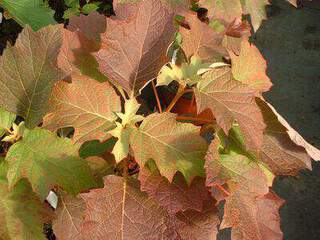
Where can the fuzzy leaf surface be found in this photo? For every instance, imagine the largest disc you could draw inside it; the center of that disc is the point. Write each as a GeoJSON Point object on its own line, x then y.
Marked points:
{"type": "Point", "coordinates": [172, 145]}
{"type": "Point", "coordinates": [80, 40]}
{"type": "Point", "coordinates": [134, 215]}
{"type": "Point", "coordinates": [250, 67]}
{"type": "Point", "coordinates": [133, 50]}
{"type": "Point", "coordinates": [121, 211]}
{"type": "Point", "coordinates": [176, 196]}
{"type": "Point", "coordinates": [47, 161]}
{"type": "Point", "coordinates": [229, 100]}
{"type": "Point", "coordinates": [22, 215]}
{"type": "Point", "coordinates": [226, 10]}
{"type": "Point", "coordinates": [251, 218]}
{"type": "Point", "coordinates": [28, 72]}
{"type": "Point", "coordinates": [201, 40]}
{"type": "Point", "coordinates": [30, 12]}
{"type": "Point", "coordinates": [6, 120]}
{"type": "Point", "coordinates": [68, 217]}
{"type": "Point", "coordinates": [279, 152]}
{"type": "Point", "coordinates": [86, 105]}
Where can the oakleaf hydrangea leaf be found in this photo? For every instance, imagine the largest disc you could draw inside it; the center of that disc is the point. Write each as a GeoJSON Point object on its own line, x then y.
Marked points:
{"type": "Point", "coordinates": [34, 13]}
{"type": "Point", "coordinates": [229, 100]}
{"type": "Point", "coordinates": [253, 218]}
{"type": "Point", "coordinates": [250, 67]}
{"type": "Point", "coordinates": [135, 216]}
{"type": "Point", "coordinates": [124, 129]}
{"type": "Point", "coordinates": [6, 120]}
{"type": "Point", "coordinates": [28, 72]}
{"type": "Point", "coordinates": [133, 51]}
{"type": "Point", "coordinates": [186, 73]}
{"type": "Point", "coordinates": [201, 40]}
{"type": "Point", "coordinates": [86, 105]}
{"type": "Point", "coordinates": [47, 161]}
{"type": "Point", "coordinates": [68, 217]}
{"type": "Point", "coordinates": [279, 152]}
{"type": "Point", "coordinates": [80, 40]}
{"type": "Point", "coordinates": [22, 215]}
{"type": "Point", "coordinates": [176, 196]}
{"type": "Point", "coordinates": [172, 145]}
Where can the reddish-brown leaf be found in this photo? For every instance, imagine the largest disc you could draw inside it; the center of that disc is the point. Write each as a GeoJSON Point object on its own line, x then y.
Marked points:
{"type": "Point", "coordinates": [313, 152]}
{"type": "Point", "coordinates": [200, 39]}
{"type": "Point", "coordinates": [176, 196]}
{"type": "Point", "coordinates": [86, 105]}
{"type": "Point", "coordinates": [133, 50]}
{"type": "Point", "coordinates": [281, 155]}
{"type": "Point", "coordinates": [229, 101]}
{"type": "Point", "coordinates": [196, 225]}
{"type": "Point", "coordinates": [68, 217]}
{"type": "Point", "coordinates": [80, 39]}
{"type": "Point", "coordinates": [121, 211]}
{"type": "Point", "coordinates": [226, 10]}
{"type": "Point", "coordinates": [251, 218]}
{"type": "Point", "coordinates": [250, 67]}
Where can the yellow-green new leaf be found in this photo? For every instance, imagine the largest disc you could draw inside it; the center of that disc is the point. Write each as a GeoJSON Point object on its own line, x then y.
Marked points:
{"type": "Point", "coordinates": [46, 161]}
{"type": "Point", "coordinates": [28, 72]}
{"type": "Point", "coordinates": [172, 145]}
{"type": "Point", "coordinates": [187, 73]}
{"type": "Point", "coordinates": [124, 129]}
{"type": "Point", "coordinates": [6, 120]}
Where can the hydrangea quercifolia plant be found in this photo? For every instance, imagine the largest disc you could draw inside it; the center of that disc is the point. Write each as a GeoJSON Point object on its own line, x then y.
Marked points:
{"type": "Point", "coordinates": [77, 118]}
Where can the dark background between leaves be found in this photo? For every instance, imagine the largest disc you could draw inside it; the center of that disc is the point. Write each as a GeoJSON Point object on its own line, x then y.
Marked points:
{"type": "Point", "coordinates": [290, 42]}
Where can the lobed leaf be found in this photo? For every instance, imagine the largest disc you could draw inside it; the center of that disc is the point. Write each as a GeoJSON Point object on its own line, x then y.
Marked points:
{"type": "Point", "coordinates": [86, 105]}
{"type": "Point", "coordinates": [201, 40]}
{"type": "Point", "coordinates": [47, 161]}
{"type": "Point", "coordinates": [22, 215]}
{"type": "Point", "coordinates": [250, 68]}
{"type": "Point", "coordinates": [172, 145]}
{"type": "Point", "coordinates": [133, 51]}
{"type": "Point", "coordinates": [28, 72]}
{"type": "Point", "coordinates": [229, 100]}
{"type": "Point", "coordinates": [176, 196]}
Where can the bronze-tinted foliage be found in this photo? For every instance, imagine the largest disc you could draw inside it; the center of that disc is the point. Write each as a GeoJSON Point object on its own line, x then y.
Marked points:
{"type": "Point", "coordinates": [159, 178]}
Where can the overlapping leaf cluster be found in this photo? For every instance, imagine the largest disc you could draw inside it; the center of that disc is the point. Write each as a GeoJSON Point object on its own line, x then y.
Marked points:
{"type": "Point", "coordinates": [121, 170]}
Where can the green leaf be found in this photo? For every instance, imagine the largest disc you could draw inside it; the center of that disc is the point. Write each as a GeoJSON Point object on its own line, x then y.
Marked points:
{"type": "Point", "coordinates": [22, 215]}
{"type": "Point", "coordinates": [96, 148]}
{"type": "Point", "coordinates": [6, 120]}
{"type": "Point", "coordinates": [28, 73]}
{"type": "Point", "coordinates": [172, 145]}
{"type": "Point", "coordinates": [46, 161]}
{"type": "Point", "coordinates": [90, 7]}
{"type": "Point", "coordinates": [71, 12]}
{"type": "Point", "coordinates": [30, 12]}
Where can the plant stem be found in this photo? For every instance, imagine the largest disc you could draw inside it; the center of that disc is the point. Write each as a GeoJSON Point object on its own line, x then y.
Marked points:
{"type": "Point", "coordinates": [186, 118]}
{"type": "Point", "coordinates": [222, 189]}
{"type": "Point", "coordinates": [181, 91]}
{"type": "Point", "coordinates": [156, 95]}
